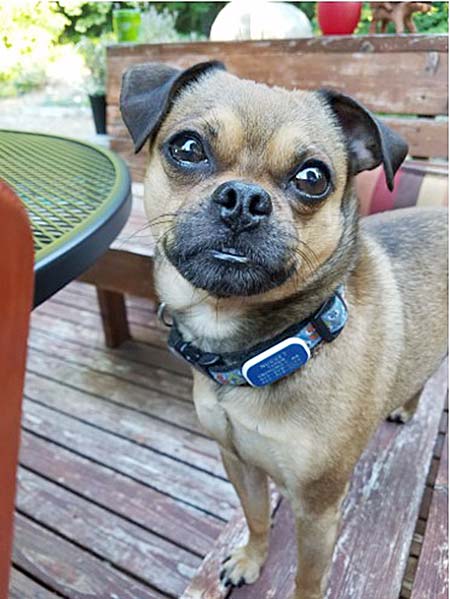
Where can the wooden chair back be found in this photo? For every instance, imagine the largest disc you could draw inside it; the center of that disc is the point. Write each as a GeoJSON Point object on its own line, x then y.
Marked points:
{"type": "Point", "coordinates": [16, 292]}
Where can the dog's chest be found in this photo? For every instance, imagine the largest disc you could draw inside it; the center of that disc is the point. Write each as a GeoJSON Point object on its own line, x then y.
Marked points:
{"type": "Point", "coordinates": [283, 447]}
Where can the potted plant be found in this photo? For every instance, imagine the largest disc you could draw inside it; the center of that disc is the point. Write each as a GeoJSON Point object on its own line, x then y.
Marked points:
{"type": "Point", "coordinates": [94, 55]}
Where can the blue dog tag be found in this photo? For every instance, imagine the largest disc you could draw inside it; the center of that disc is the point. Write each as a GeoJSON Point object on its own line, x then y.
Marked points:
{"type": "Point", "coordinates": [276, 362]}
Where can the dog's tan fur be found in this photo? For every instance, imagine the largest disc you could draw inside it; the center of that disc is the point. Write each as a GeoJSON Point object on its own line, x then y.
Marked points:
{"type": "Point", "coordinates": [307, 431]}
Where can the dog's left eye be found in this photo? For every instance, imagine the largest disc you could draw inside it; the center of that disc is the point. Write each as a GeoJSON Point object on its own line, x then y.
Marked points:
{"type": "Point", "coordinates": [312, 180]}
{"type": "Point", "coordinates": [185, 147]}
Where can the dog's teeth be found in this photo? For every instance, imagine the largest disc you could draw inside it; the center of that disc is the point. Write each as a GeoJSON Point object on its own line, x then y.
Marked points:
{"type": "Point", "coordinates": [228, 256]}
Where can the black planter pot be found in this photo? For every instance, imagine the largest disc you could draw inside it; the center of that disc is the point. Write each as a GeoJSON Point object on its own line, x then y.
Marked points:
{"type": "Point", "coordinates": [98, 105]}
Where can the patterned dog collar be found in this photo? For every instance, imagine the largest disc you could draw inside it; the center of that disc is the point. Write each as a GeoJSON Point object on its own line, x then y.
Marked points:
{"type": "Point", "coordinates": [271, 360]}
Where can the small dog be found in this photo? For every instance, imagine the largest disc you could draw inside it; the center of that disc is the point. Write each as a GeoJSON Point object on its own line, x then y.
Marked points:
{"type": "Point", "coordinates": [306, 328]}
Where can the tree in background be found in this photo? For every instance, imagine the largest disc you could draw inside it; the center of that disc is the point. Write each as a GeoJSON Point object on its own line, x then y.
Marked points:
{"type": "Point", "coordinates": [94, 18]}
{"type": "Point", "coordinates": [29, 33]}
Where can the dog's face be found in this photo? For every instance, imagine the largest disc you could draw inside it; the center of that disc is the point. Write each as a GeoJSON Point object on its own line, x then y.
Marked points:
{"type": "Point", "coordinates": [248, 185]}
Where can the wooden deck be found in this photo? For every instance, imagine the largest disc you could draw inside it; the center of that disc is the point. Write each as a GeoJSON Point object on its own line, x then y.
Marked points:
{"type": "Point", "coordinates": [121, 495]}
{"type": "Point", "coordinates": [120, 492]}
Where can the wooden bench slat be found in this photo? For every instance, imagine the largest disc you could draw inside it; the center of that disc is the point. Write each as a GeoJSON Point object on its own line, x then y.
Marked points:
{"type": "Point", "coordinates": [136, 235]}
{"type": "Point", "coordinates": [83, 290]}
{"type": "Point", "coordinates": [358, 73]}
{"type": "Point", "coordinates": [143, 505]}
{"type": "Point", "coordinates": [431, 578]}
{"type": "Point", "coordinates": [379, 514]}
{"type": "Point", "coordinates": [120, 270]}
{"type": "Point", "coordinates": [426, 137]}
{"type": "Point", "coordinates": [278, 574]}
{"type": "Point", "coordinates": [382, 509]}
{"type": "Point", "coordinates": [330, 43]}
{"type": "Point", "coordinates": [205, 585]}
{"type": "Point", "coordinates": [366, 67]}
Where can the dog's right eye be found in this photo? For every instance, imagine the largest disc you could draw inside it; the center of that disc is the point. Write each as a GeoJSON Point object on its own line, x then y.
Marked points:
{"type": "Point", "coordinates": [312, 180]}
{"type": "Point", "coordinates": [187, 148]}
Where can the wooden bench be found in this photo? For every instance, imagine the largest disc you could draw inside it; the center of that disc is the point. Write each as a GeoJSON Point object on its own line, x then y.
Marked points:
{"type": "Point", "coordinates": [394, 75]}
{"type": "Point", "coordinates": [393, 537]}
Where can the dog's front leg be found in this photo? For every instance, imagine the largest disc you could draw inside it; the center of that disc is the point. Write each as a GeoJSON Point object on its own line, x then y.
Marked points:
{"type": "Point", "coordinates": [317, 521]}
{"type": "Point", "coordinates": [244, 564]}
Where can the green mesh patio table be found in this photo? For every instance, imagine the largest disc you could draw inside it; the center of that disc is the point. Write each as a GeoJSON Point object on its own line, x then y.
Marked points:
{"type": "Point", "coordinates": [78, 198]}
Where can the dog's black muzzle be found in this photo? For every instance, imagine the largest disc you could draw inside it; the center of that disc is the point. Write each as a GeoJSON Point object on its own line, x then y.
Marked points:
{"type": "Point", "coordinates": [232, 245]}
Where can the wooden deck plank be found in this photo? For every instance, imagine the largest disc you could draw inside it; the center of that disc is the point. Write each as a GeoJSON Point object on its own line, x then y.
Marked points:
{"type": "Point", "coordinates": [137, 350]}
{"type": "Point", "coordinates": [70, 571]}
{"type": "Point", "coordinates": [167, 517]}
{"type": "Point", "coordinates": [78, 377]}
{"type": "Point", "coordinates": [106, 362]}
{"type": "Point", "coordinates": [379, 516]}
{"type": "Point", "coordinates": [23, 587]}
{"type": "Point", "coordinates": [133, 550]}
{"type": "Point", "coordinates": [431, 579]}
{"type": "Point", "coordinates": [65, 312]}
{"type": "Point", "coordinates": [177, 480]}
{"type": "Point", "coordinates": [139, 315]}
{"type": "Point", "coordinates": [171, 441]}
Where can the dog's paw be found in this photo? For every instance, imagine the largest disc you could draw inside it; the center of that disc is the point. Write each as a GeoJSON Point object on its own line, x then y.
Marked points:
{"type": "Point", "coordinates": [243, 566]}
{"type": "Point", "coordinates": [400, 415]}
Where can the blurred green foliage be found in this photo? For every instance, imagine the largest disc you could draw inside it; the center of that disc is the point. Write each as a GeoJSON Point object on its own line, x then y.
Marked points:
{"type": "Point", "coordinates": [93, 50]}
{"type": "Point", "coordinates": [192, 16]}
{"type": "Point", "coordinates": [93, 18]}
{"type": "Point", "coordinates": [30, 31]}
{"type": "Point", "coordinates": [85, 18]}
{"type": "Point", "coordinates": [435, 21]}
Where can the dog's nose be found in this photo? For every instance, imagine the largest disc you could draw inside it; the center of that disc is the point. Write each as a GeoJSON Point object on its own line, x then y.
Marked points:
{"type": "Point", "coordinates": [242, 205]}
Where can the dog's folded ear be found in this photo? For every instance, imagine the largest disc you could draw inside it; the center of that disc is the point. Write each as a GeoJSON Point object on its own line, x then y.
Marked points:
{"type": "Point", "coordinates": [148, 91]}
{"type": "Point", "coordinates": [369, 141]}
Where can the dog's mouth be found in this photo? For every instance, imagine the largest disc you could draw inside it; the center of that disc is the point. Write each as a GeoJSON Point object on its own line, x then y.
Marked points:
{"type": "Point", "coordinates": [227, 271]}
{"type": "Point", "coordinates": [226, 263]}
{"type": "Point", "coordinates": [230, 255]}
